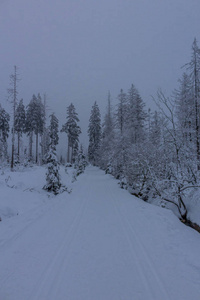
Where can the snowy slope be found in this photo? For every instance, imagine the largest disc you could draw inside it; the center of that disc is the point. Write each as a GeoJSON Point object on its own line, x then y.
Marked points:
{"type": "Point", "coordinates": [98, 242]}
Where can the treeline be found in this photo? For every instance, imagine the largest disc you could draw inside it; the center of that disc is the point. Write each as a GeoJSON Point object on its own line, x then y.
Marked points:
{"type": "Point", "coordinates": [29, 121]}
{"type": "Point", "coordinates": [154, 154]}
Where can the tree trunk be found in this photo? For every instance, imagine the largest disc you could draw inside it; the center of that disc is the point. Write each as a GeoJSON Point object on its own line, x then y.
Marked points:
{"type": "Point", "coordinates": [18, 146]}
{"type": "Point", "coordinates": [36, 158]}
{"type": "Point", "coordinates": [12, 156]}
{"type": "Point", "coordinates": [30, 146]}
{"type": "Point", "coordinates": [68, 151]}
{"type": "Point", "coordinates": [14, 94]}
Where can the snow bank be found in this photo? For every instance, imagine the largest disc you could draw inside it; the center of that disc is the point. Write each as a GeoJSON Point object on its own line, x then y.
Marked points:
{"type": "Point", "coordinates": [22, 190]}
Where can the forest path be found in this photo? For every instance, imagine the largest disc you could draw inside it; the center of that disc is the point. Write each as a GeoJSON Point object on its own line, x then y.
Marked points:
{"type": "Point", "coordinates": [100, 243]}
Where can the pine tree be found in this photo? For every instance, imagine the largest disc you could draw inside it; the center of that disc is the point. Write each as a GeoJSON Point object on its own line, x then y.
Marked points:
{"type": "Point", "coordinates": [4, 131]}
{"type": "Point", "coordinates": [155, 129]}
{"type": "Point", "coordinates": [12, 91]}
{"type": "Point", "coordinates": [94, 132]}
{"type": "Point", "coordinates": [53, 180]}
{"type": "Point", "coordinates": [80, 163]}
{"type": "Point", "coordinates": [194, 68]}
{"type": "Point", "coordinates": [73, 131]}
{"type": "Point", "coordinates": [135, 116]}
{"type": "Point", "coordinates": [38, 121]}
{"type": "Point", "coordinates": [185, 112]}
{"type": "Point", "coordinates": [45, 135]}
{"type": "Point", "coordinates": [121, 113]}
{"type": "Point", "coordinates": [20, 123]}
{"type": "Point", "coordinates": [29, 127]}
{"type": "Point", "coordinates": [53, 130]}
{"type": "Point", "coordinates": [107, 138]}
{"type": "Point", "coordinates": [35, 121]}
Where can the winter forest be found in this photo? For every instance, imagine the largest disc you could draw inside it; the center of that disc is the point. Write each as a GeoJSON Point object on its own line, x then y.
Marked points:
{"type": "Point", "coordinates": [99, 150]}
{"type": "Point", "coordinates": [155, 155]}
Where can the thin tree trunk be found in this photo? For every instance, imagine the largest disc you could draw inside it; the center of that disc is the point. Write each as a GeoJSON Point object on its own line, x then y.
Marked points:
{"type": "Point", "coordinates": [12, 156]}
{"type": "Point", "coordinates": [36, 159]}
{"type": "Point", "coordinates": [72, 156]}
{"type": "Point", "coordinates": [18, 146]}
{"type": "Point", "coordinates": [197, 124]}
{"type": "Point", "coordinates": [68, 151]}
{"type": "Point", "coordinates": [30, 146]}
{"type": "Point", "coordinates": [14, 78]}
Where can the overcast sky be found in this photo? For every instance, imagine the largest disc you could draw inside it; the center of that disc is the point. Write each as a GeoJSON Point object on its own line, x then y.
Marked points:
{"type": "Point", "coordinates": [77, 50]}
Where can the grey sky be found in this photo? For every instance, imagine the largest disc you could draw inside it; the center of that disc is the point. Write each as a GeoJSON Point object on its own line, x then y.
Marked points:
{"type": "Point", "coordinates": [77, 50]}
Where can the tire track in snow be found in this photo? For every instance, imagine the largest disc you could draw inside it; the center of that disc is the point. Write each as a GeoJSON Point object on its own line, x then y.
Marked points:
{"type": "Point", "coordinates": [27, 225]}
{"type": "Point", "coordinates": [50, 278]}
{"type": "Point", "coordinates": [145, 267]}
{"type": "Point", "coordinates": [37, 213]}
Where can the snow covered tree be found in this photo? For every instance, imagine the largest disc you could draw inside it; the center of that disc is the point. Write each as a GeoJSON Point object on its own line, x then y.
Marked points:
{"type": "Point", "coordinates": [81, 162]}
{"type": "Point", "coordinates": [29, 127]}
{"type": "Point", "coordinates": [185, 112]}
{"type": "Point", "coordinates": [130, 134]}
{"type": "Point", "coordinates": [94, 132]}
{"type": "Point", "coordinates": [121, 113]}
{"type": "Point", "coordinates": [155, 129]}
{"type": "Point", "coordinates": [107, 138]}
{"type": "Point", "coordinates": [194, 68]}
{"type": "Point", "coordinates": [38, 121]}
{"type": "Point", "coordinates": [73, 131]}
{"type": "Point", "coordinates": [12, 91]}
{"type": "Point", "coordinates": [53, 180]}
{"type": "Point", "coordinates": [20, 123]}
{"type": "Point", "coordinates": [135, 116]}
{"type": "Point", "coordinates": [35, 121]}
{"type": "Point", "coordinates": [53, 130]}
{"type": "Point", "coordinates": [45, 140]}
{"type": "Point", "coordinates": [4, 131]}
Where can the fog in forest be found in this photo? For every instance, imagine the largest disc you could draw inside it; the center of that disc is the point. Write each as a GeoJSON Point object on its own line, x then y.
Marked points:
{"type": "Point", "coordinates": [77, 51]}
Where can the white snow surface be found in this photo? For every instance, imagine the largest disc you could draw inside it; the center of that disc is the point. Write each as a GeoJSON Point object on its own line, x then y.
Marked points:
{"type": "Point", "coordinates": [97, 243]}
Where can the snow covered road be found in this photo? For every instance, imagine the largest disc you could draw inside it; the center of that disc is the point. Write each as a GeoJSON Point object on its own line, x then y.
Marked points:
{"type": "Point", "coordinates": [98, 243]}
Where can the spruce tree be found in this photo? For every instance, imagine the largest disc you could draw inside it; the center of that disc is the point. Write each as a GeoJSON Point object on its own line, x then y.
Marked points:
{"type": "Point", "coordinates": [4, 131]}
{"type": "Point", "coordinates": [20, 123]}
{"type": "Point", "coordinates": [121, 113]}
{"type": "Point", "coordinates": [53, 180]}
{"type": "Point", "coordinates": [38, 122]}
{"type": "Point", "coordinates": [94, 132]}
{"type": "Point", "coordinates": [53, 130]}
{"type": "Point", "coordinates": [107, 137]}
{"type": "Point", "coordinates": [135, 116]}
{"type": "Point", "coordinates": [29, 127]}
{"type": "Point", "coordinates": [35, 121]}
{"type": "Point", "coordinates": [80, 163]}
{"type": "Point", "coordinates": [45, 135]}
{"type": "Point", "coordinates": [73, 131]}
{"type": "Point", "coordinates": [13, 92]}
{"type": "Point", "coordinates": [185, 110]}
{"type": "Point", "coordinates": [194, 72]}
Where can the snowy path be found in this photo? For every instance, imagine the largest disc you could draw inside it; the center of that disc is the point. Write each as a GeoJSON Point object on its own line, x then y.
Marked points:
{"type": "Point", "coordinates": [99, 243]}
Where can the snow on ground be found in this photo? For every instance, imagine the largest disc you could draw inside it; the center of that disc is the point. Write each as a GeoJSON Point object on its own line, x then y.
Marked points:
{"type": "Point", "coordinates": [22, 190]}
{"type": "Point", "coordinates": [191, 200]}
{"type": "Point", "coordinates": [193, 205]}
{"type": "Point", "coordinates": [98, 242]}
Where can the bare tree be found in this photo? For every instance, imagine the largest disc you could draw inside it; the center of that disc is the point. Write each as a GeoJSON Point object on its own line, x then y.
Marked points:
{"type": "Point", "coordinates": [12, 91]}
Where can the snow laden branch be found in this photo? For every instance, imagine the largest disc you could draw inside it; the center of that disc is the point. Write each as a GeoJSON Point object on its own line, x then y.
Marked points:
{"type": "Point", "coordinates": [179, 179]}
